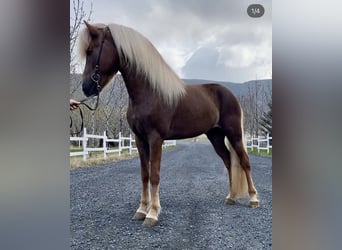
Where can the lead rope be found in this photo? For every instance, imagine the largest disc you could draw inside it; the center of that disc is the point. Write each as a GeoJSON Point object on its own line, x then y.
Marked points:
{"type": "Point", "coordinates": [82, 102]}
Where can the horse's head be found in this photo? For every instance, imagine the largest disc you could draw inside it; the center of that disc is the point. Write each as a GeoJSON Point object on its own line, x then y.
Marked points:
{"type": "Point", "coordinates": [102, 60]}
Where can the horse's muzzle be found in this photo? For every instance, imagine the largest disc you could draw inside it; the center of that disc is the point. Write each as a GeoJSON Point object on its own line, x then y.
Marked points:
{"type": "Point", "coordinates": [89, 87]}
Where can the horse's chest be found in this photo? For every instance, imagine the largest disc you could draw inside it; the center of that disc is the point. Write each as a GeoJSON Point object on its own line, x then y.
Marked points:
{"type": "Point", "coordinates": [134, 120]}
{"type": "Point", "coordinates": [142, 121]}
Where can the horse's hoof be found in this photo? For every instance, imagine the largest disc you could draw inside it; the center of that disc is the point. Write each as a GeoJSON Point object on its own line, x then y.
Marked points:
{"type": "Point", "coordinates": [254, 204]}
{"type": "Point", "coordinates": [139, 216]}
{"type": "Point", "coordinates": [229, 201]}
{"type": "Point", "coordinates": [150, 222]}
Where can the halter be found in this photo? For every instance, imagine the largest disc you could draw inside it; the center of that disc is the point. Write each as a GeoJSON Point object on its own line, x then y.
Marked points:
{"type": "Point", "coordinates": [95, 77]}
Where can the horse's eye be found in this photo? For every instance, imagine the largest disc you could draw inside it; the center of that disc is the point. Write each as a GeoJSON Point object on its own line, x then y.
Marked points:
{"type": "Point", "coordinates": [88, 52]}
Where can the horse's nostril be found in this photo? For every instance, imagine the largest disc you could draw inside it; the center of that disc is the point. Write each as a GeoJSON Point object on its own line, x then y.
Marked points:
{"type": "Point", "coordinates": [88, 88]}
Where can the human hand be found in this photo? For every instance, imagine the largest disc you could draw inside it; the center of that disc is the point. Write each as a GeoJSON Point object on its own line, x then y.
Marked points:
{"type": "Point", "coordinates": [74, 104]}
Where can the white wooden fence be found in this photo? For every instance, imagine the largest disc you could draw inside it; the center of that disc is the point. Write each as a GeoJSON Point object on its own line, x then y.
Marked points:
{"type": "Point", "coordinates": [124, 143]}
{"type": "Point", "coordinates": [261, 143]}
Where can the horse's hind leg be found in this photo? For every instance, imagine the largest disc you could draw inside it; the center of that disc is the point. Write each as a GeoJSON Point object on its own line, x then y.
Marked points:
{"type": "Point", "coordinates": [216, 137]}
{"type": "Point", "coordinates": [144, 153]}
{"type": "Point", "coordinates": [236, 142]}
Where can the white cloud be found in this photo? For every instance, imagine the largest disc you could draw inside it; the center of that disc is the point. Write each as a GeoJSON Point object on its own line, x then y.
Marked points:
{"type": "Point", "coordinates": [237, 56]}
{"type": "Point", "coordinates": [176, 57]}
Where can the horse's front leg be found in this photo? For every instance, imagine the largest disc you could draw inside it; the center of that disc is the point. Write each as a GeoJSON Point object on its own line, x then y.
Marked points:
{"type": "Point", "coordinates": [155, 159]}
{"type": "Point", "coordinates": [144, 153]}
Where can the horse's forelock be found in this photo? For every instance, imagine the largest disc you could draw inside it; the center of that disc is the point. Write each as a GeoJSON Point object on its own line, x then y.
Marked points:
{"type": "Point", "coordinates": [84, 39]}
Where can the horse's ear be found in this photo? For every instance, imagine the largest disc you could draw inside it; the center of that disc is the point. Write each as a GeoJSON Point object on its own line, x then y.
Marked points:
{"type": "Point", "coordinates": [92, 30]}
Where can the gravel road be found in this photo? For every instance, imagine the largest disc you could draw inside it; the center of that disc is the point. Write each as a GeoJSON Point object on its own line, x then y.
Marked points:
{"type": "Point", "coordinates": [192, 191]}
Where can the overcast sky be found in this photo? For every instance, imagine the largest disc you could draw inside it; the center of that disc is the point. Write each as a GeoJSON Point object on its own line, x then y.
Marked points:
{"type": "Point", "coordinates": [201, 39]}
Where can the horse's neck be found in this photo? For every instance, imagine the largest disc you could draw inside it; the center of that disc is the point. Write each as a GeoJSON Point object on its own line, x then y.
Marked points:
{"type": "Point", "coordinates": [137, 86]}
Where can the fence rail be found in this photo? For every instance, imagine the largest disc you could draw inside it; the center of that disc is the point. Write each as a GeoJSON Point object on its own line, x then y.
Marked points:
{"type": "Point", "coordinates": [260, 142]}
{"type": "Point", "coordinates": [124, 143]}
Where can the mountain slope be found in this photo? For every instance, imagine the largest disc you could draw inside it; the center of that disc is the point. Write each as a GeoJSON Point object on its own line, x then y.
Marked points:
{"type": "Point", "coordinates": [238, 89]}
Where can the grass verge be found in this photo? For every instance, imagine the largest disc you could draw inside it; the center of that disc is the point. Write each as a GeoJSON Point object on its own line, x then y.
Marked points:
{"type": "Point", "coordinates": [97, 158]}
{"type": "Point", "coordinates": [254, 151]}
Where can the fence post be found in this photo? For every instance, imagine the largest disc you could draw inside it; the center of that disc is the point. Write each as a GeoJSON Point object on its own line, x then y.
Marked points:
{"type": "Point", "coordinates": [120, 140]}
{"type": "Point", "coordinates": [104, 145]}
{"type": "Point", "coordinates": [84, 144]}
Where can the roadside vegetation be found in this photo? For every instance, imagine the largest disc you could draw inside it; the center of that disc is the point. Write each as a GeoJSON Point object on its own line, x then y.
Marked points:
{"type": "Point", "coordinates": [96, 158]}
{"type": "Point", "coordinates": [261, 153]}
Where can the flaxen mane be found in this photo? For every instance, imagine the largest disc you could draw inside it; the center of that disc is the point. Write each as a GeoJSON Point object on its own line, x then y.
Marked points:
{"type": "Point", "coordinates": [139, 51]}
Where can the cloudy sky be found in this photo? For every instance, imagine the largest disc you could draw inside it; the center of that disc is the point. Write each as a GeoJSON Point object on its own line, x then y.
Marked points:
{"type": "Point", "coordinates": [200, 39]}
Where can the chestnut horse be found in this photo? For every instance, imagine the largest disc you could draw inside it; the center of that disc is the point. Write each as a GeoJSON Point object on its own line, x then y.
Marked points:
{"type": "Point", "coordinates": [162, 107]}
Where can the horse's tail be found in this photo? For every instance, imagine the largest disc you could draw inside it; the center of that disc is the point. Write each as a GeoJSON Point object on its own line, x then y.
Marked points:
{"type": "Point", "coordinates": [239, 185]}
